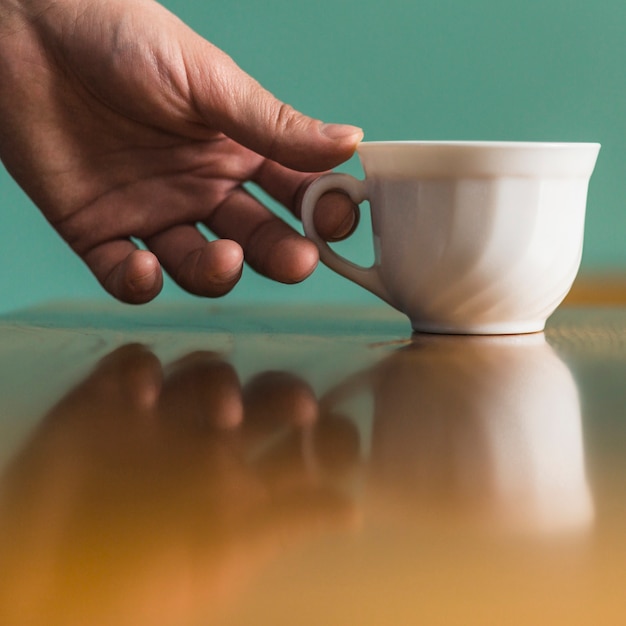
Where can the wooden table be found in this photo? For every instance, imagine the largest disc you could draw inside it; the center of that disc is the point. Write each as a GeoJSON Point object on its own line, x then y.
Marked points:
{"type": "Point", "coordinates": [192, 465]}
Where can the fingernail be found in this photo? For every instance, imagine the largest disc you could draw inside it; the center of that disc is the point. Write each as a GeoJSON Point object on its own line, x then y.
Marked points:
{"type": "Point", "coordinates": [342, 131]}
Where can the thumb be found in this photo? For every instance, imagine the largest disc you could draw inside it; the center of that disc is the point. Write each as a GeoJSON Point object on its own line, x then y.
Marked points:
{"type": "Point", "coordinates": [231, 101]}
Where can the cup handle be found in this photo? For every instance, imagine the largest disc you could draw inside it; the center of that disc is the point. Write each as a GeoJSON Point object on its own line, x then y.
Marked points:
{"type": "Point", "coordinates": [367, 277]}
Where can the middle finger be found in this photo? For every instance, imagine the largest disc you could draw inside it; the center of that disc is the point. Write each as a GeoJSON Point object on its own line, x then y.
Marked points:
{"type": "Point", "coordinates": [270, 246]}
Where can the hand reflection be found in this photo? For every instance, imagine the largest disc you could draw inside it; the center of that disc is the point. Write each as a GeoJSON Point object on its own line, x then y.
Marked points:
{"type": "Point", "coordinates": [477, 428]}
{"type": "Point", "coordinates": [153, 493]}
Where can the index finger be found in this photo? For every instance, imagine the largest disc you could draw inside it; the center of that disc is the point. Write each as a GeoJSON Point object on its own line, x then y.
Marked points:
{"type": "Point", "coordinates": [336, 216]}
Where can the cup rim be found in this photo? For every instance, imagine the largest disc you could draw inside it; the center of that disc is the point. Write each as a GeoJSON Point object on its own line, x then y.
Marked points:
{"type": "Point", "coordinates": [488, 143]}
{"type": "Point", "coordinates": [478, 159]}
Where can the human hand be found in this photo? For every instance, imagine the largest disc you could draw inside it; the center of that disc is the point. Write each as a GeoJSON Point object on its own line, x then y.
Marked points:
{"type": "Point", "coordinates": [123, 124]}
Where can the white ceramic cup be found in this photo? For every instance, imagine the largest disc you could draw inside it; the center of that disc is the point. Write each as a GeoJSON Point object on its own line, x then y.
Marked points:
{"type": "Point", "coordinates": [469, 237]}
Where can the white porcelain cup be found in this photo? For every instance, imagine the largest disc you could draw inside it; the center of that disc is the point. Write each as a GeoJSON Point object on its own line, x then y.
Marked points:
{"type": "Point", "coordinates": [469, 237]}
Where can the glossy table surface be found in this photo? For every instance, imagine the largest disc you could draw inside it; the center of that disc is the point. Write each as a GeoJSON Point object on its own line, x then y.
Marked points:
{"type": "Point", "coordinates": [199, 464]}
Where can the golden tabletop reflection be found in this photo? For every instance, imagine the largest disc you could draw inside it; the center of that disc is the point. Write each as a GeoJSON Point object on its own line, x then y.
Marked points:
{"type": "Point", "coordinates": [184, 465]}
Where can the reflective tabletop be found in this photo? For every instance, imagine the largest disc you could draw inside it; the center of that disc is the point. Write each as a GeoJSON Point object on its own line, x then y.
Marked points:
{"type": "Point", "coordinates": [198, 464]}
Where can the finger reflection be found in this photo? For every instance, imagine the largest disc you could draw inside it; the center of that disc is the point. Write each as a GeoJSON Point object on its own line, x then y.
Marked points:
{"type": "Point", "coordinates": [142, 499]}
{"type": "Point", "coordinates": [481, 427]}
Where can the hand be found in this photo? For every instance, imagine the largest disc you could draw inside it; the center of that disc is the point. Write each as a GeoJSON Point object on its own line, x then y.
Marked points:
{"type": "Point", "coordinates": [121, 123]}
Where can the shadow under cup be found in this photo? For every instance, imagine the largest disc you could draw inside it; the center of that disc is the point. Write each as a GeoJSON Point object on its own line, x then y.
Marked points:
{"type": "Point", "coordinates": [469, 237]}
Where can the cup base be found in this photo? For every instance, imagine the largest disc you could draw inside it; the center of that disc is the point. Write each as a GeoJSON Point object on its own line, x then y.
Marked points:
{"type": "Point", "coordinates": [502, 328]}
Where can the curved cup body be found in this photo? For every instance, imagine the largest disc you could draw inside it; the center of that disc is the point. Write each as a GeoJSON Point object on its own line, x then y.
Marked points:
{"type": "Point", "coordinates": [473, 237]}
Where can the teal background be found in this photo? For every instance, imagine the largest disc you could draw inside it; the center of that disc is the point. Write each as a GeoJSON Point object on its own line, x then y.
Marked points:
{"type": "Point", "coordinates": [549, 70]}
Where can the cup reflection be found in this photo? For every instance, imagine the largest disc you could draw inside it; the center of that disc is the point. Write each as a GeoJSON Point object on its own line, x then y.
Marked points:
{"type": "Point", "coordinates": [483, 428]}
